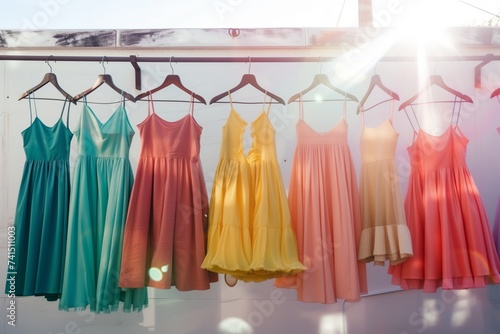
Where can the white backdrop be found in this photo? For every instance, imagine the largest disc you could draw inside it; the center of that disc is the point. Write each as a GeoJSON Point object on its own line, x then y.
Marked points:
{"type": "Point", "coordinates": [259, 307]}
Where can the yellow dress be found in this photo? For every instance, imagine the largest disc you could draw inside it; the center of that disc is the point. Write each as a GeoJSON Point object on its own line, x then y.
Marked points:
{"type": "Point", "coordinates": [250, 233]}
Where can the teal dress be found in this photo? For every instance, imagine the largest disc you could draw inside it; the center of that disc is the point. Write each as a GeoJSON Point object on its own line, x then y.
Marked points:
{"type": "Point", "coordinates": [100, 192]}
{"type": "Point", "coordinates": [40, 221]}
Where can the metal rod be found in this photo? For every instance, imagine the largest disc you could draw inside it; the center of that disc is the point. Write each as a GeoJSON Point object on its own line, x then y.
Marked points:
{"type": "Point", "coordinates": [484, 59]}
{"type": "Point", "coordinates": [235, 59]}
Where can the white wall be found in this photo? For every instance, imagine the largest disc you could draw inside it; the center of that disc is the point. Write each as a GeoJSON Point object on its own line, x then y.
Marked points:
{"type": "Point", "coordinates": [258, 307]}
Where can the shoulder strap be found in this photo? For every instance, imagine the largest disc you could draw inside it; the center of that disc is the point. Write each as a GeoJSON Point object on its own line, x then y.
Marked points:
{"type": "Point", "coordinates": [391, 116]}
{"type": "Point", "coordinates": [301, 107]}
{"type": "Point", "coordinates": [453, 111]}
{"type": "Point", "coordinates": [31, 111]}
{"type": "Point", "coordinates": [230, 99]}
{"type": "Point", "coordinates": [345, 103]}
{"type": "Point", "coordinates": [151, 106]}
{"type": "Point", "coordinates": [191, 105]}
{"type": "Point", "coordinates": [269, 104]}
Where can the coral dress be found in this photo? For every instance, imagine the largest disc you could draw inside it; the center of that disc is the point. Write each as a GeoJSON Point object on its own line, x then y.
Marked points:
{"type": "Point", "coordinates": [250, 231]}
{"type": "Point", "coordinates": [165, 234]}
{"type": "Point", "coordinates": [100, 192]}
{"type": "Point", "coordinates": [453, 246]}
{"type": "Point", "coordinates": [385, 235]}
{"type": "Point", "coordinates": [41, 219]}
{"type": "Point", "coordinates": [324, 204]}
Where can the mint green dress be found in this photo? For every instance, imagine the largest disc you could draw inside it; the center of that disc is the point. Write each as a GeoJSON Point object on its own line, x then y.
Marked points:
{"type": "Point", "coordinates": [38, 237]}
{"type": "Point", "coordinates": [100, 192]}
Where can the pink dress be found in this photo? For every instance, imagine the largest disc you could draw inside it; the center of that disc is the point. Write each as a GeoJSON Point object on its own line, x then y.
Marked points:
{"type": "Point", "coordinates": [452, 243]}
{"type": "Point", "coordinates": [325, 208]}
{"type": "Point", "coordinates": [165, 231]}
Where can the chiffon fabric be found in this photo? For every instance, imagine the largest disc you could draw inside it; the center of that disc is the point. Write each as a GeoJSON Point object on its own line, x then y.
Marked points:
{"type": "Point", "coordinates": [165, 234]}
{"type": "Point", "coordinates": [40, 222]}
{"type": "Point", "coordinates": [453, 246]}
{"type": "Point", "coordinates": [325, 209]}
{"type": "Point", "coordinates": [250, 233]}
{"type": "Point", "coordinates": [102, 182]}
{"type": "Point", "coordinates": [385, 235]}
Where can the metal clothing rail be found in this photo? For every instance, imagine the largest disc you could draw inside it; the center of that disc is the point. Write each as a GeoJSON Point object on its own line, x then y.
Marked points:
{"type": "Point", "coordinates": [134, 60]}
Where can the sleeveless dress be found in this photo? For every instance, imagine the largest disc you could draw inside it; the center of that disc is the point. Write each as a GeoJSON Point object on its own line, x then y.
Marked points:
{"type": "Point", "coordinates": [250, 235]}
{"type": "Point", "coordinates": [165, 234]}
{"type": "Point", "coordinates": [453, 246]}
{"type": "Point", "coordinates": [100, 192]}
{"type": "Point", "coordinates": [40, 222]}
{"type": "Point", "coordinates": [324, 202]}
{"type": "Point", "coordinates": [385, 235]}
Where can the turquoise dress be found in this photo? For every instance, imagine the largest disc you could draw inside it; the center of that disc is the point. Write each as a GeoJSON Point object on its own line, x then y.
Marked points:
{"type": "Point", "coordinates": [40, 221]}
{"type": "Point", "coordinates": [100, 193]}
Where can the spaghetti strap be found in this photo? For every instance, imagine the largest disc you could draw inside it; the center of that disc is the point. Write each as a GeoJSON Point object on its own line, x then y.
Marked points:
{"type": "Point", "coordinates": [31, 111]}
{"type": "Point", "coordinates": [301, 107]}
{"type": "Point", "coordinates": [151, 106]}
{"type": "Point", "coordinates": [123, 100]}
{"type": "Point", "coordinates": [458, 113]}
{"type": "Point", "coordinates": [230, 99]}
{"type": "Point", "coordinates": [63, 108]}
{"type": "Point", "coordinates": [269, 105]}
{"type": "Point", "coordinates": [191, 105]}
{"type": "Point", "coordinates": [344, 108]}
{"type": "Point", "coordinates": [391, 116]}
{"type": "Point", "coordinates": [67, 114]}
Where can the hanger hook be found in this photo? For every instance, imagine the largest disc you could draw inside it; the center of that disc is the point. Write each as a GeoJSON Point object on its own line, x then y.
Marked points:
{"type": "Point", "coordinates": [170, 63]}
{"type": "Point", "coordinates": [435, 66]}
{"type": "Point", "coordinates": [320, 64]}
{"type": "Point", "coordinates": [47, 62]}
{"type": "Point", "coordinates": [102, 63]}
{"type": "Point", "coordinates": [249, 63]}
{"type": "Point", "coordinates": [375, 68]}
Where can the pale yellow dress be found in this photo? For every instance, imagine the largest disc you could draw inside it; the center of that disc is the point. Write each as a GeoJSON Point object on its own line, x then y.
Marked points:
{"type": "Point", "coordinates": [385, 235]}
{"type": "Point", "coordinates": [250, 234]}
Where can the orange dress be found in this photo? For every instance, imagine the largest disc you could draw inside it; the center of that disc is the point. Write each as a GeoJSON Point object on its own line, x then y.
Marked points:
{"type": "Point", "coordinates": [325, 208]}
{"type": "Point", "coordinates": [250, 233]}
{"type": "Point", "coordinates": [165, 232]}
{"type": "Point", "coordinates": [452, 242]}
{"type": "Point", "coordinates": [385, 235]}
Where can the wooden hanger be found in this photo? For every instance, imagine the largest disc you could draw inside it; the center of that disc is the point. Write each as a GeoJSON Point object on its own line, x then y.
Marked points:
{"type": "Point", "coordinates": [438, 81]}
{"type": "Point", "coordinates": [171, 79]}
{"type": "Point", "coordinates": [48, 78]}
{"type": "Point", "coordinates": [107, 79]}
{"type": "Point", "coordinates": [495, 93]}
{"type": "Point", "coordinates": [376, 81]}
{"type": "Point", "coordinates": [322, 79]}
{"type": "Point", "coordinates": [247, 79]}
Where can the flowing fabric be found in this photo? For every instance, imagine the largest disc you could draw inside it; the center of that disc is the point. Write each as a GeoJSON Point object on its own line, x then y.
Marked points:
{"type": "Point", "coordinates": [324, 203]}
{"type": "Point", "coordinates": [100, 192]}
{"type": "Point", "coordinates": [385, 234]}
{"type": "Point", "coordinates": [40, 223]}
{"type": "Point", "coordinates": [453, 246]}
{"type": "Point", "coordinates": [165, 234]}
{"type": "Point", "coordinates": [250, 233]}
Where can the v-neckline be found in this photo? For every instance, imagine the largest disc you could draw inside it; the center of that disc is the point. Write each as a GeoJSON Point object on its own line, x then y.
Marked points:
{"type": "Point", "coordinates": [247, 155]}
{"type": "Point", "coordinates": [323, 134]}
{"type": "Point", "coordinates": [99, 122]}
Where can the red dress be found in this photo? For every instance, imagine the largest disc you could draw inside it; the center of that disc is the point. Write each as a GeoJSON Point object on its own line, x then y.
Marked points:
{"type": "Point", "coordinates": [165, 232]}
{"type": "Point", "coordinates": [452, 243]}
